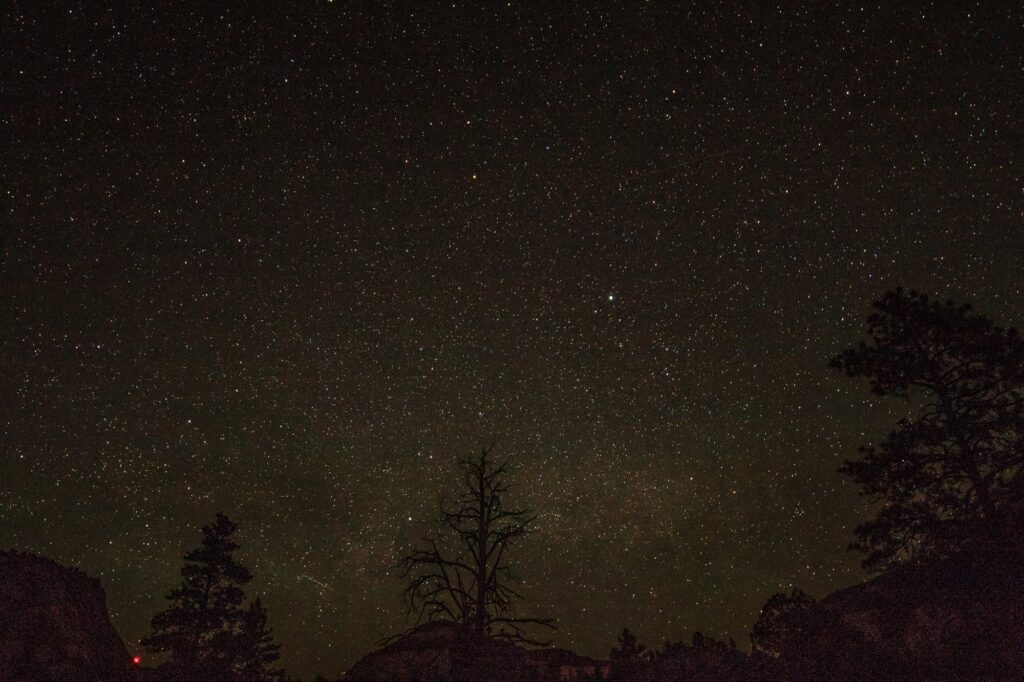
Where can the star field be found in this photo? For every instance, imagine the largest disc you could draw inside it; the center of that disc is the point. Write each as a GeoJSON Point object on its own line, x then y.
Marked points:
{"type": "Point", "coordinates": [291, 262]}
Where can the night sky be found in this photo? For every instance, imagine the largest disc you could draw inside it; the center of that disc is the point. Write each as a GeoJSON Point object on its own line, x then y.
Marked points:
{"type": "Point", "coordinates": [291, 263]}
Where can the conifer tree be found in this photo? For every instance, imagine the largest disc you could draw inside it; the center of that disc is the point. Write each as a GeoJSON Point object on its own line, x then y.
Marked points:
{"type": "Point", "coordinates": [200, 627]}
{"type": "Point", "coordinates": [954, 470]}
{"type": "Point", "coordinates": [255, 651]}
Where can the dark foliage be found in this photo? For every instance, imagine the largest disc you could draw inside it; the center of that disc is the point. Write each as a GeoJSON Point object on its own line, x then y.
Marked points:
{"type": "Point", "coordinates": [253, 648]}
{"type": "Point", "coordinates": [470, 583]}
{"type": "Point", "coordinates": [704, 660]}
{"type": "Point", "coordinates": [784, 618]}
{"type": "Point", "coordinates": [205, 629]}
{"type": "Point", "coordinates": [627, 656]}
{"type": "Point", "coordinates": [955, 468]}
{"type": "Point", "coordinates": [803, 640]}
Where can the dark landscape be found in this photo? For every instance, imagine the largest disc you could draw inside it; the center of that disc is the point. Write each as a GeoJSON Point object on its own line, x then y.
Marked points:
{"type": "Point", "coordinates": [512, 342]}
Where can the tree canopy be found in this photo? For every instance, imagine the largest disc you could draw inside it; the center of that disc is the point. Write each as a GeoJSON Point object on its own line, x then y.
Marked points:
{"type": "Point", "coordinates": [954, 468]}
{"type": "Point", "coordinates": [205, 630]}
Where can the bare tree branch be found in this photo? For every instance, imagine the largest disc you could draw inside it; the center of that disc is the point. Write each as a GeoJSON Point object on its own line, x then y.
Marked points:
{"type": "Point", "coordinates": [469, 584]}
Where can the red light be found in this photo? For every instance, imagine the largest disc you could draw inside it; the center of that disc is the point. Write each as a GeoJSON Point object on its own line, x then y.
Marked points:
{"type": "Point", "coordinates": [136, 660]}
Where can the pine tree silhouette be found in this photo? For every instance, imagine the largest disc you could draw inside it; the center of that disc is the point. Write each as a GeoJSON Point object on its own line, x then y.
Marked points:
{"type": "Point", "coordinates": [207, 633]}
{"type": "Point", "coordinates": [953, 470]}
{"type": "Point", "coordinates": [255, 651]}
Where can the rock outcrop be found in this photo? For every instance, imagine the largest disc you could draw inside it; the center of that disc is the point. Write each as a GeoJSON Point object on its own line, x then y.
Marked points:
{"type": "Point", "coordinates": [958, 619]}
{"type": "Point", "coordinates": [54, 624]}
{"type": "Point", "coordinates": [442, 651]}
